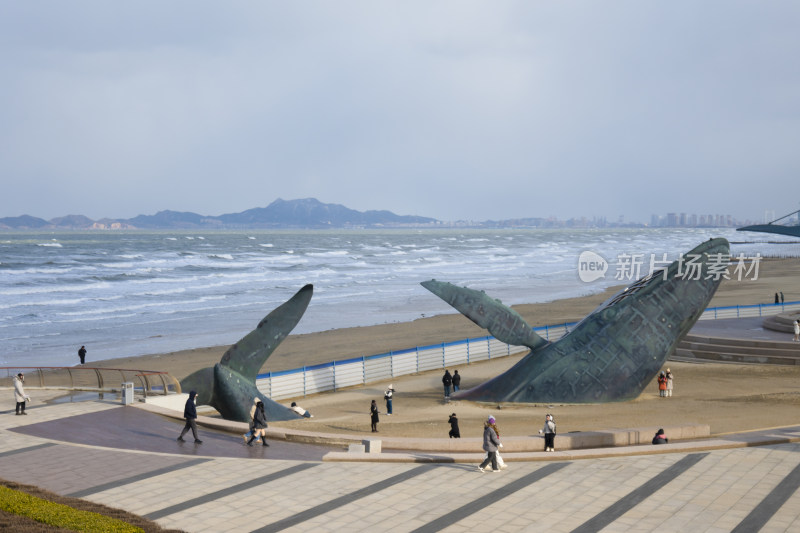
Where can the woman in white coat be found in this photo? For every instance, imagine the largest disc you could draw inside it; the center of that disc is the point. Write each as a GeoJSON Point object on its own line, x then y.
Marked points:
{"type": "Point", "coordinates": [19, 394]}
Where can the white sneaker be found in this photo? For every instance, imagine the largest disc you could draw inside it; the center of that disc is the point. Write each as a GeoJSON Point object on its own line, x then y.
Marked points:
{"type": "Point", "coordinates": [495, 471]}
{"type": "Point", "coordinates": [504, 467]}
{"type": "Point", "coordinates": [481, 469]}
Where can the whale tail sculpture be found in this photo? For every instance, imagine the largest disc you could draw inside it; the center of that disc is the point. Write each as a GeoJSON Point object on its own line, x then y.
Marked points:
{"type": "Point", "coordinates": [229, 386]}
{"type": "Point", "coordinates": [613, 353]}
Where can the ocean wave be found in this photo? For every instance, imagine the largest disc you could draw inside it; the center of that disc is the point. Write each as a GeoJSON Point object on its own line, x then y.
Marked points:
{"type": "Point", "coordinates": [27, 291]}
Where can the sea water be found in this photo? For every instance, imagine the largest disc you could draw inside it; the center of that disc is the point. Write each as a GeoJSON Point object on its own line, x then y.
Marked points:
{"type": "Point", "coordinates": [141, 292]}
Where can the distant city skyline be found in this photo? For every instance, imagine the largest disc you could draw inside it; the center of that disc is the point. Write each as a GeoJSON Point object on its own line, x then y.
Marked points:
{"type": "Point", "coordinates": [670, 219]}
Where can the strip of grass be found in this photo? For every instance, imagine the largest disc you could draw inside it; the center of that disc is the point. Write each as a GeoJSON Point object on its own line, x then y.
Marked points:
{"type": "Point", "coordinates": [58, 515]}
{"type": "Point", "coordinates": [22, 524]}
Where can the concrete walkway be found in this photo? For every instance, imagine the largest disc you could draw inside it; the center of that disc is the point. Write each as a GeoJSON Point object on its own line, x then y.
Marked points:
{"type": "Point", "coordinates": [129, 459]}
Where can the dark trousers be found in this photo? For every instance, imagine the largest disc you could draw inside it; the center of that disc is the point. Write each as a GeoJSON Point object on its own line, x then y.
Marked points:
{"type": "Point", "coordinates": [447, 390]}
{"type": "Point", "coordinates": [492, 457]}
{"type": "Point", "coordinates": [190, 424]}
{"type": "Point", "coordinates": [20, 407]}
{"type": "Point", "coordinates": [549, 440]}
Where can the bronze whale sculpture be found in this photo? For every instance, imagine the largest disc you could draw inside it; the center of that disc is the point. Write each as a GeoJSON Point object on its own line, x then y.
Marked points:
{"type": "Point", "coordinates": [613, 353]}
{"type": "Point", "coordinates": [230, 385]}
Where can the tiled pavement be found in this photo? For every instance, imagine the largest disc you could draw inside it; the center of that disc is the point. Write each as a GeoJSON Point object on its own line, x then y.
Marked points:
{"type": "Point", "coordinates": [742, 489]}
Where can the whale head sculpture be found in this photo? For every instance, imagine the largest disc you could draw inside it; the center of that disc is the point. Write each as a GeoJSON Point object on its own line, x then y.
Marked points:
{"type": "Point", "coordinates": [613, 353]}
{"type": "Point", "coordinates": [230, 385]}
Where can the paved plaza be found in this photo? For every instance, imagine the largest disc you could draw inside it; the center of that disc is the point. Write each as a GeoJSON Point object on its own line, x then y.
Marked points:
{"type": "Point", "coordinates": [222, 485]}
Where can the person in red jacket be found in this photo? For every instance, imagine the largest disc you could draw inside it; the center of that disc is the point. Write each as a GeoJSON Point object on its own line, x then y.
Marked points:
{"type": "Point", "coordinates": [662, 384]}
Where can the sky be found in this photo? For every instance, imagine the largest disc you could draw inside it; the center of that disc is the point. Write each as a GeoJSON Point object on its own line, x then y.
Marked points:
{"type": "Point", "coordinates": [456, 110]}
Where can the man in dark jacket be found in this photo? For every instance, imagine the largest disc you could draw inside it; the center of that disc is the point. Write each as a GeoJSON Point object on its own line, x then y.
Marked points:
{"type": "Point", "coordinates": [455, 433]}
{"type": "Point", "coordinates": [456, 381]}
{"type": "Point", "coordinates": [447, 380]}
{"type": "Point", "coordinates": [190, 414]}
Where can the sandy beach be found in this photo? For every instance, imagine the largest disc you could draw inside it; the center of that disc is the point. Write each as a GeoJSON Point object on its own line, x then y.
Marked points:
{"type": "Point", "coordinates": [725, 396]}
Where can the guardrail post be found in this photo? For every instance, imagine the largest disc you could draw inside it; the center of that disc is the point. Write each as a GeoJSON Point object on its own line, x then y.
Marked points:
{"type": "Point", "coordinates": [546, 333]}
{"type": "Point", "coordinates": [334, 376]}
{"type": "Point", "coordinates": [489, 346]}
{"type": "Point", "coordinates": [99, 378]}
{"type": "Point", "coordinates": [304, 381]}
{"type": "Point", "coordinates": [444, 362]}
{"type": "Point", "coordinates": [41, 377]}
{"type": "Point", "coordinates": [467, 351]}
{"type": "Point", "coordinates": [363, 370]}
{"type": "Point", "coordinates": [71, 381]}
{"type": "Point", "coordinates": [163, 383]}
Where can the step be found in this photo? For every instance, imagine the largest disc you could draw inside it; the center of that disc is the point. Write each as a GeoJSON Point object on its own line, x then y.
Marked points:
{"type": "Point", "coordinates": [722, 357]}
{"type": "Point", "coordinates": [744, 350]}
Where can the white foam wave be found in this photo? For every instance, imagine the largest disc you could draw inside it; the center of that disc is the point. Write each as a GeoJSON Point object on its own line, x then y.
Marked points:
{"type": "Point", "coordinates": [23, 291]}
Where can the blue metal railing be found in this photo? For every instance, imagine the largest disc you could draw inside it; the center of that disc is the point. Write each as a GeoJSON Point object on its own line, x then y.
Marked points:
{"type": "Point", "coordinates": [380, 367]}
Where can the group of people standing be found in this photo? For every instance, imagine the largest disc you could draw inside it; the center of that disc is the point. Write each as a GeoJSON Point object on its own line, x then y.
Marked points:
{"type": "Point", "coordinates": [448, 380]}
{"type": "Point", "coordinates": [665, 384]}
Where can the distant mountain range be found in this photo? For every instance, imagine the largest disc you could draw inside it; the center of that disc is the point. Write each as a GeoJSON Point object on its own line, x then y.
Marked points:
{"type": "Point", "coordinates": [305, 213]}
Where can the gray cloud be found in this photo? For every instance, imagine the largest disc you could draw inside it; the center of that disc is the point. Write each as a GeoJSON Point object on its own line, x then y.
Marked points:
{"type": "Point", "coordinates": [453, 110]}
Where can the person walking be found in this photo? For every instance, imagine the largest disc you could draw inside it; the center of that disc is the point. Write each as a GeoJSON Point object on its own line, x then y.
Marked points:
{"type": "Point", "coordinates": [549, 431]}
{"type": "Point", "coordinates": [781, 296]}
{"type": "Point", "coordinates": [388, 397]}
{"type": "Point", "coordinates": [455, 433]}
{"type": "Point", "coordinates": [456, 381]}
{"type": "Point", "coordinates": [190, 414]}
{"type": "Point", "coordinates": [373, 416]}
{"type": "Point", "coordinates": [259, 425]}
{"type": "Point", "coordinates": [82, 354]}
{"type": "Point", "coordinates": [19, 394]}
{"type": "Point", "coordinates": [660, 438]}
{"type": "Point", "coordinates": [668, 375]}
{"type": "Point", "coordinates": [247, 435]}
{"type": "Point", "coordinates": [500, 463]}
{"type": "Point", "coordinates": [797, 330]}
{"type": "Point", "coordinates": [777, 299]}
{"type": "Point", "coordinates": [490, 443]}
{"type": "Point", "coordinates": [447, 380]}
